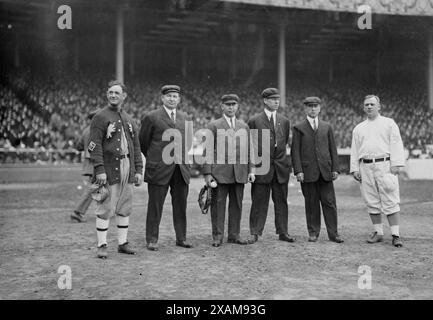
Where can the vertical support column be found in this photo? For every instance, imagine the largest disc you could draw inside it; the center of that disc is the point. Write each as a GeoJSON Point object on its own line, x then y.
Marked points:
{"type": "Point", "coordinates": [131, 58]}
{"type": "Point", "coordinates": [282, 60]}
{"type": "Point", "coordinates": [119, 45]}
{"type": "Point", "coordinates": [76, 54]}
{"type": "Point", "coordinates": [184, 61]}
{"type": "Point", "coordinates": [17, 61]}
{"type": "Point", "coordinates": [430, 71]}
{"type": "Point", "coordinates": [331, 68]}
{"type": "Point", "coordinates": [378, 80]}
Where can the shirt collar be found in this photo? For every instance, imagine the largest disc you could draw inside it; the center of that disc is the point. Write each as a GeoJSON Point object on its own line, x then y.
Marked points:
{"type": "Point", "coordinates": [269, 113]}
{"type": "Point", "coordinates": [169, 111]}
{"type": "Point", "coordinates": [310, 120]}
{"type": "Point", "coordinates": [228, 119]}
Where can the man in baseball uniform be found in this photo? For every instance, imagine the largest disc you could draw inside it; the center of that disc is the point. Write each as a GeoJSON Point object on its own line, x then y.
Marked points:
{"type": "Point", "coordinates": [377, 156]}
{"type": "Point", "coordinates": [115, 153]}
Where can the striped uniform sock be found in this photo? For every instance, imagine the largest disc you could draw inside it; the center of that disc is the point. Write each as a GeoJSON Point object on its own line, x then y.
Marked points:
{"type": "Point", "coordinates": [122, 228]}
{"type": "Point", "coordinates": [395, 230]}
{"type": "Point", "coordinates": [378, 228]}
{"type": "Point", "coordinates": [101, 230]}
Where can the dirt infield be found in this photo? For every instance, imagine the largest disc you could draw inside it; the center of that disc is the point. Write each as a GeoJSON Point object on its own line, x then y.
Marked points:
{"type": "Point", "coordinates": [37, 238]}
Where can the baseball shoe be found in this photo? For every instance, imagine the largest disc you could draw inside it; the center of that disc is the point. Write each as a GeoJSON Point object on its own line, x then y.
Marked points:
{"type": "Point", "coordinates": [253, 239]}
{"type": "Point", "coordinates": [183, 243]}
{"type": "Point", "coordinates": [312, 238]}
{"type": "Point", "coordinates": [77, 217]}
{"type": "Point", "coordinates": [337, 239]}
{"type": "Point", "coordinates": [125, 248]}
{"type": "Point", "coordinates": [152, 246]}
{"type": "Point", "coordinates": [237, 240]}
{"type": "Point", "coordinates": [396, 241]}
{"type": "Point", "coordinates": [102, 252]}
{"type": "Point", "coordinates": [374, 237]}
{"type": "Point", "coordinates": [217, 243]}
{"type": "Point", "coordinates": [286, 237]}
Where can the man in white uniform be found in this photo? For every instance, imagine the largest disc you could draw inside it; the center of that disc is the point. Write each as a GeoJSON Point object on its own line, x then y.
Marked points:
{"type": "Point", "coordinates": [377, 156]}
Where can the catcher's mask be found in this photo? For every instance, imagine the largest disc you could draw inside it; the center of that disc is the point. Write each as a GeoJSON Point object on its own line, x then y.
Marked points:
{"type": "Point", "coordinates": [99, 193]}
{"type": "Point", "coordinates": [204, 199]}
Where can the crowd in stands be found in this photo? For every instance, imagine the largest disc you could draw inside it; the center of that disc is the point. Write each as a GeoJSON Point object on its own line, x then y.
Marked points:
{"type": "Point", "coordinates": [49, 113]}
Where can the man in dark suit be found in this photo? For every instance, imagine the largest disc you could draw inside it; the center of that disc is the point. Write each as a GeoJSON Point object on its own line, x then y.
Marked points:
{"type": "Point", "coordinates": [277, 177]}
{"type": "Point", "coordinates": [159, 173]}
{"type": "Point", "coordinates": [229, 170]}
{"type": "Point", "coordinates": [315, 163]}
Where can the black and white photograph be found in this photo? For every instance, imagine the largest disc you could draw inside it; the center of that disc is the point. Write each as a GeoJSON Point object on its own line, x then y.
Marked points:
{"type": "Point", "coordinates": [216, 155]}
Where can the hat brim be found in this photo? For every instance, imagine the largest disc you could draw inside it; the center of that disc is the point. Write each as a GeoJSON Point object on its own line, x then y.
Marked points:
{"type": "Point", "coordinates": [273, 96]}
{"type": "Point", "coordinates": [308, 104]}
{"type": "Point", "coordinates": [228, 101]}
{"type": "Point", "coordinates": [169, 91]}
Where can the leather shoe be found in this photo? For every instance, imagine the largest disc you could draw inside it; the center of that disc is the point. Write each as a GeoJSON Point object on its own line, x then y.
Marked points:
{"type": "Point", "coordinates": [152, 246]}
{"type": "Point", "coordinates": [184, 244]}
{"type": "Point", "coordinates": [396, 241]}
{"type": "Point", "coordinates": [217, 243]}
{"type": "Point", "coordinates": [125, 248]}
{"type": "Point", "coordinates": [286, 237]}
{"type": "Point", "coordinates": [312, 238]}
{"type": "Point", "coordinates": [337, 239]}
{"type": "Point", "coordinates": [253, 238]}
{"type": "Point", "coordinates": [77, 217]}
{"type": "Point", "coordinates": [102, 252]}
{"type": "Point", "coordinates": [237, 241]}
{"type": "Point", "coordinates": [374, 237]}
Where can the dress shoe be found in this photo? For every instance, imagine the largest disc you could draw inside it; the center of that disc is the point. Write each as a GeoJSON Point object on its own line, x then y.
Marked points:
{"type": "Point", "coordinates": [102, 252]}
{"type": "Point", "coordinates": [396, 241]}
{"type": "Point", "coordinates": [337, 239]}
{"type": "Point", "coordinates": [253, 239]}
{"type": "Point", "coordinates": [125, 248]}
{"type": "Point", "coordinates": [183, 243]}
{"type": "Point", "coordinates": [312, 238]}
{"type": "Point", "coordinates": [237, 241]}
{"type": "Point", "coordinates": [217, 243]}
{"type": "Point", "coordinates": [77, 217]}
{"type": "Point", "coordinates": [374, 237]}
{"type": "Point", "coordinates": [152, 246]}
{"type": "Point", "coordinates": [286, 237]}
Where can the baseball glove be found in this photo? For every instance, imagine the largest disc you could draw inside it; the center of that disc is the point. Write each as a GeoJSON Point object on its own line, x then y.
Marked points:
{"type": "Point", "coordinates": [205, 199]}
{"type": "Point", "coordinates": [99, 193]}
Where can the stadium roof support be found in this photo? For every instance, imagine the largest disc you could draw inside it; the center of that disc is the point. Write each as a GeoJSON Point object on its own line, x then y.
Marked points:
{"type": "Point", "coordinates": [119, 45]}
{"type": "Point", "coordinates": [430, 70]}
{"type": "Point", "coordinates": [282, 60]}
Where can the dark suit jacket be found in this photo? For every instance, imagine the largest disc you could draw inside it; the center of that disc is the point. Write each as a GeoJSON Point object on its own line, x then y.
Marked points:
{"type": "Point", "coordinates": [152, 129]}
{"type": "Point", "coordinates": [279, 160]}
{"type": "Point", "coordinates": [228, 173]}
{"type": "Point", "coordinates": [314, 153]}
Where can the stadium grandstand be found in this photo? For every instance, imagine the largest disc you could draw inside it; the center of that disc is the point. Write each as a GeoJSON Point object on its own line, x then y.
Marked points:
{"type": "Point", "coordinates": [53, 73]}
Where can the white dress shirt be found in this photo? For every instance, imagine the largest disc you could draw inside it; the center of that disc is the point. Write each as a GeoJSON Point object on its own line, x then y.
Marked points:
{"type": "Point", "coordinates": [274, 115]}
{"type": "Point", "coordinates": [375, 139]}
{"type": "Point", "coordinates": [312, 121]}
{"type": "Point", "coordinates": [228, 121]}
{"type": "Point", "coordinates": [169, 111]}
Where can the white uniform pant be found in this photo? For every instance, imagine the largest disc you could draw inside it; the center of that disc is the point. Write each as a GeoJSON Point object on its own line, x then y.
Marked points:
{"type": "Point", "coordinates": [119, 201]}
{"type": "Point", "coordinates": [376, 197]}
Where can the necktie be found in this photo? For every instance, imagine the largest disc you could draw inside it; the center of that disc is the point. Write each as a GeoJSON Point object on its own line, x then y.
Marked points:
{"type": "Point", "coordinates": [232, 124]}
{"type": "Point", "coordinates": [271, 121]}
{"type": "Point", "coordinates": [172, 117]}
{"type": "Point", "coordinates": [314, 125]}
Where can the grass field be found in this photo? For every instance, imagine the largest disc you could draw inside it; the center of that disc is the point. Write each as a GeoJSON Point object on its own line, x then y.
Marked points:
{"type": "Point", "coordinates": [37, 237]}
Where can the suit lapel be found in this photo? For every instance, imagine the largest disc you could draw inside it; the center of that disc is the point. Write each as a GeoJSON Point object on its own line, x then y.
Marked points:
{"type": "Point", "coordinates": [265, 120]}
{"type": "Point", "coordinates": [166, 118]}
{"type": "Point", "coordinates": [308, 127]}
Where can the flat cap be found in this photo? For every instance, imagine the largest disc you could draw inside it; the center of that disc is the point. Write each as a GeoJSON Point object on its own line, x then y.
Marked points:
{"type": "Point", "coordinates": [270, 93]}
{"type": "Point", "coordinates": [312, 100]}
{"type": "Point", "coordinates": [229, 97]}
{"type": "Point", "coordinates": [170, 88]}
